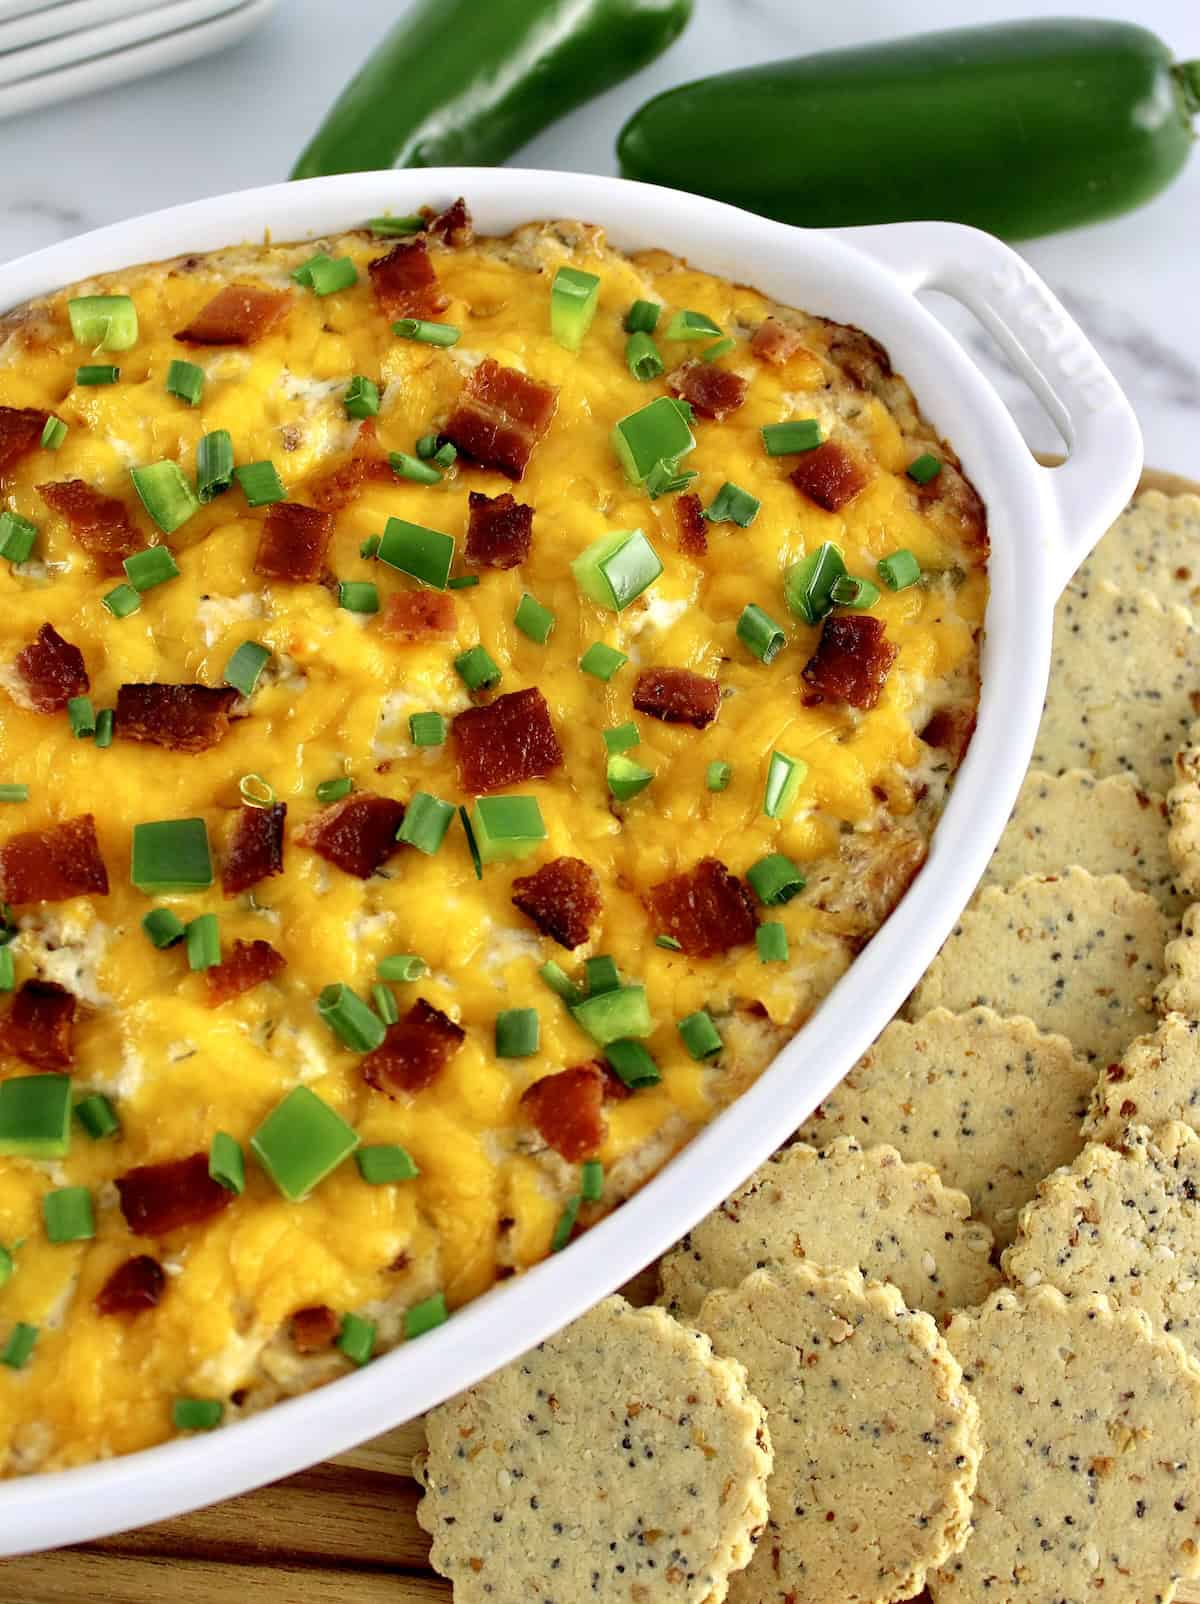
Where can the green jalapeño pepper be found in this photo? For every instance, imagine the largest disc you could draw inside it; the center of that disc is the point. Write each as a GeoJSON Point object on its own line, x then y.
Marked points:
{"type": "Point", "coordinates": [1020, 128]}
{"type": "Point", "coordinates": [467, 82]}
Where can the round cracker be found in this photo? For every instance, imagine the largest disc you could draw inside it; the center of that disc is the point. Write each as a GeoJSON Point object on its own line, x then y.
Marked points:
{"type": "Point", "coordinates": [991, 1103]}
{"type": "Point", "coordinates": [1088, 1482]}
{"type": "Point", "coordinates": [843, 1207]}
{"type": "Point", "coordinates": [620, 1459]}
{"type": "Point", "coordinates": [1154, 545]}
{"type": "Point", "coordinates": [1079, 954]}
{"type": "Point", "coordinates": [1109, 826]}
{"type": "Point", "coordinates": [1124, 1221]}
{"type": "Point", "coordinates": [1156, 1079]}
{"type": "Point", "coordinates": [1123, 672]}
{"type": "Point", "coordinates": [1179, 989]}
{"type": "Point", "coordinates": [876, 1437]}
{"type": "Point", "coordinates": [1183, 814]}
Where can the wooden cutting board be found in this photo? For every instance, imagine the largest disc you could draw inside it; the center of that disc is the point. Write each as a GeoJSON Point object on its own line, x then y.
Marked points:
{"type": "Point", "coordinates": [344, 1532]}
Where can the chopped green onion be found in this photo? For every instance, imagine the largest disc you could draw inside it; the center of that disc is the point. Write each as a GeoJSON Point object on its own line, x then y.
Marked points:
{"type": "Point", "coordinates": [565, 1228]}
{"type": "Point", "coordinates": [477, 669]}
{"type": "Point", "coordinates": [423, 554]}
{"type": "Point", "coordinates": [591, 1181]}
{"type": "Point", "coordinates": [772, 943]}
{"type": "Point", "coordinates": [426, 333]}
{"type": "Point", "coordinates": [427, 446]}
{"type": "Point", "coordinates": [14, 793]}
{"type": "Point", "coordinates": [784, 439]}
{"type": "Point", "coordinates": [507, 826]}
{"type": "Point", "coordinates": [324, 274]}
{"type": "Point", "coordinates": [196, 1414]}
{"type": "Point", "coordinates": [185, 380]}
{"type": "Point", "coordinates": [463, 582]}
{"type": "Point", "coordinates": [622, 737]}
{"type": "Point", "coordinates": [758, 631]}
{"type": "Point", "coordinates": [924, 468]}
{"type": "Point", "coordinates": [6, 1266]}
{"type": "Point", "coordinates": [626, 778]}
{"type": "Point", "coordinates": [518, 1032]}
{"type": "Point", "coordinates": [385, 1003]}
{"type": "Point", "coordinates": [808, 584]}
{"type": "Point", "coordinates": [669, 943]}
{"type": "Point", "coordinates": [427, 729]}
{"type": "Point", "coordinates": [214, 464]}
{"type": "Point", "coordinates": [775, 879]}
{"type": "Point", "coordinates": [244, 667]}
{"type": "Point", "coordinates": [356, 1026]}
{"type": "Point", "coordinates": [421, 473]}
{"type": "Point", "coordinates": [68, 1214]}
{"type": "Point", "coordinates": [733, 505]}
{"type": "Point", "coordinates": [657, 432]}
{"type": "Point", "coordinates": [472, 844]}
{"type": "Point", "coordinates": [302, 1140]}
{"type": "Point", "coordinates": [684, 408]}
{"type": "Point", "coordinates": [361, 399]}
{"type": "Point", "coordinates": [785, 776]}
{"type": "Point", "coordinates": [602, 975]}
{"type": "Point", "coordinates": [121, 601]}
{"type": "Point", "coordinates": [850, 591]}
{"type": "Point", "coordinates": [17, 1350]}
{"type": "Point", "coordinates": [426, 820]}
{"type": "Point", "coordinates": [256, 792]}
{"type": "Point", "coordinates": [632, 1063]}
{"type": "Point", "coordinates": [642, 317]}
{"type": "Point", "coordinates": [53, 433]}
{"type": "Point", "coordinates": [446, 455]}
{"type": "Point", "coordinates": [35, 1116]}
{"type": "Point", "coordinates": [691, 326]}
{"type": "Point", "coordinates": [97, 373]}
{"type": "Point", "coordinates": [17, 536]}
{"type": "Point", "coordinates": [560, 983]}
{"type": "Point", "coordinates": [718, 775]}
{"type": "Point", "coordinates": [667, 479]}
{"type": "Point", "coordinates": [163, 928]}
{"type": "Point", "coordinates": [97, 1116]}
{"type": "Point", "coordinates": [642, 358]}
{"type": "Point", "coordinates": [615, 569]}
{"type": "Point", "coordinates": [574, 296]}
{"type": "Point", "coordinates": [103, 322]}
{"type": "Point", "coordinates": [714, 353]}
{"type": "Point", "coordinates": [700, 1036]}
{"type": "Point", "coordinates": [358, 595]}
{"type": "Point", "coordinates": [171, 855]}
{"type": "Point", "coordinates": [401, 966]}
{"type": "Point", "coordinates": [81, 717]}
{"type": "Point", "coordinates": [601, 661]}
{"type": "Point", "coordinates": [165, 494]}
{"type": "Point", "coordinates": [369, 547]}
{"type": "Point", "coordinates": [227, 1163]}
{"type": "Point", "coordinates": [203, 941]}
{"type": "Point", "coordinates": [534, 620]}
{"type": "Point", "coordinates": [614, 1014]}
{"type": "Point", "coordinates": [334, 790]}
{"type": "Point", "coordinates": [900, 570]}
{"type": "Point", "coordinates": [425, 1316]}
{"type": "Point", "coordinates": [389, 227]}
{"type": "Point", "coordinates": [105, 724]}
{"type": "Point", "coordinates": [8, 971]}
{"type": "Point", "coordinates": [261, 484]}
{"type": "Point", "coordinates": [384, 1164]}
{"type": "Point", "coordinates": [154, 566]}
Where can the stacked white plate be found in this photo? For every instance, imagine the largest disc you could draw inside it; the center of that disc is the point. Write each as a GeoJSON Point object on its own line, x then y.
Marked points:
{"type": "Point", "coordinates": [52, 52]}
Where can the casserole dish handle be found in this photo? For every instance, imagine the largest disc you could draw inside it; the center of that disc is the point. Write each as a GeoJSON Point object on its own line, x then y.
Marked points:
{"type": "Point", "coordinates": [1048, 350]}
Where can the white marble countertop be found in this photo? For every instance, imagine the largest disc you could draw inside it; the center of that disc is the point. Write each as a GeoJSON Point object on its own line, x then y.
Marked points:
{"type": "Point", "coordinates": [241, 117]}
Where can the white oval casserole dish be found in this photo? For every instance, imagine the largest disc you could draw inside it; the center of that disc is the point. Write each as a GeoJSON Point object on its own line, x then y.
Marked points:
{"type": "Point", "coordinates": [1042, 522]}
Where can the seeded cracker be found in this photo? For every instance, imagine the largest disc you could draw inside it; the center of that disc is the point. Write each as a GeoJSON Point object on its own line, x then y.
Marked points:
{"type": "Point", "coordinates": [1125, 1221]}
{"type": "Point", "coordinates": [1183, 814]}
{"type": "Point", "coordinates": [1154, 545]}
{"type": "Point", "coordinates": [1109, 826]}
{"type": "Point", "coordinates": [1179, 989]}
{"type": "Point", "coordinates": [1089, 1485]}
{"type": "Point", "coordinates": [991, 1103]}
{"type": "Point", "coordinates": [1123, 674]}
{"type": "Point", "coordinates": [1156, 1079]}
{"type": "Point", "coordinates": [1076, 953]}
{"type": "Point", "coordinates": [843, 1207]}
{"type": "Point", "coordinates": [619, 1460]}
{"type": "Point", "coordinates": [876, 1438]}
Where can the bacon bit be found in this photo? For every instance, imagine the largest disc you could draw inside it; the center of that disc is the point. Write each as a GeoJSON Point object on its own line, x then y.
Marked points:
{"type": "Point", "coordinates": [20, 433]}
{"type": "Point", "coordinates": [506, 743]}
{"type": "Point", "coordinates": [332, 491]}
{"type": "Point", "coordinates": [950, 730]}
{"type": "Point", "coordinates": [714, 392]}
{"type": "Point", "coordinates": [419, 615]}
{"type": "Point", "coordinates": [52, 671]}
{"type": "Point", "coordinates": [500, 531]}
{"type": "Point", "coordinates": [357, 834]}
{"type": "Point", "coordinates": [133, 1287]}
{"type": "Point", "coordinates": [706, 909]}
{"type": "Point", "coordinates": [185, 718]}
{"type": "Point", "coordinates": [677, 696]}
{"type": "Point", "coordinates": [957, 492]}
{"type": "Point", "coordinates": [562, 898]}
{"type": "Point", "coordinates": [501, 415]}
{"type": "Point", "coordinates": [240, 314]}
{"type": "Point", "coordinates": [414, 1052]}
{"type": "Point", "coordinates": [567, 1111]}
{"type": "Point", "coordinates": [455, 226]}
{"type": "Point", "coordinates": [406, 283]}
{"type": "Point", "coordinates": [314, 1328]}
{"type": "Point", "coordinates": [255, 848]}
{"type": "Point", "coordinates": [248, 965]}
{"type": "Point", "coordinates": [159, 1198]}
{"type": "Point", "coordinates": [775, 343]}
{"type": "Point", "coordinates": [863, 360]}
{"type": "Point", "coordinates": [852, 659]}
{"type": "Point", "coordinates": [293, 541]}
{"type": "Point", "coordinates": [54, 864]}
{"type": "Point", "coordinates": [99, 523]}
{"type": "Point", "coordinates": [39, 1025]}
{"type": "Point", "coordinates": [830, 476]}
{"type": "Point", "coordinates": [691, 525]}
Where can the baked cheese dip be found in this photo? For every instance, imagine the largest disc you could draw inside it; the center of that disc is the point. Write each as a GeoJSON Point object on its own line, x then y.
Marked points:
{"type": "Point", "coordinates": [465, 702]}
